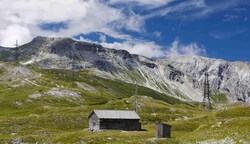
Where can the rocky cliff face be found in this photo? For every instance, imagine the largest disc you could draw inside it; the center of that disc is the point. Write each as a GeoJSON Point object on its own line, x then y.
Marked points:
{"type": "Point", "coordinates": [178, 76]}
{"type": "Point", "coordinates": [232, 78]}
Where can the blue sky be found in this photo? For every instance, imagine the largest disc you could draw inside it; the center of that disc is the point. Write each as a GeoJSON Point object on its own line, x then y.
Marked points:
{"type": "Point", "coordinates": [153, 28]}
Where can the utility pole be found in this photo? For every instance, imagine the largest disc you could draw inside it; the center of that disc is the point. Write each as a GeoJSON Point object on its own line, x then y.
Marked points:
{"type": "Point", "coordinates": [206, 95]}
{"type": "Point", "coordinates": [73, 57]}
{"type": "Point", "coordinates": [73, 68]}
{"type": "Point", "coordinates": [16, 52]}
{"type": "Point", "coordinates": [136, 97]}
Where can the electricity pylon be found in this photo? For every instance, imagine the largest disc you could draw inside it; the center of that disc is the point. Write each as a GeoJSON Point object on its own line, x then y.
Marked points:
{"type": "Point", "coordinates": [206, 95]}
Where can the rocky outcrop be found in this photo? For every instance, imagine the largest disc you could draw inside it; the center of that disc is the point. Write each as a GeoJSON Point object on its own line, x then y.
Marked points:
{"type": "Point", "coordinates": [232, 78]}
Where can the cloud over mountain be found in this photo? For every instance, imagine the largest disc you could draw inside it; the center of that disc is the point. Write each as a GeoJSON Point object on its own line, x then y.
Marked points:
{"type": "Point", "coordinates": [191, 49]}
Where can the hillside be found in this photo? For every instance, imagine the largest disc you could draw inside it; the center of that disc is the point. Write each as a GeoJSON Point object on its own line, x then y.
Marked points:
{"type": "Point", "coordinates": [47, 93]}
{"type": "Point", "coordinates": [50, 108]}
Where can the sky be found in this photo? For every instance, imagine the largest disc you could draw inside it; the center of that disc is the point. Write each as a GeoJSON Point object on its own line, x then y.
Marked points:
{"type": "Point", "coordinates": [152, 28]}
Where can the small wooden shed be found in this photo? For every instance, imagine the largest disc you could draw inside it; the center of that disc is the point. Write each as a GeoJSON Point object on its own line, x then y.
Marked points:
{"type": "Point", "coordinates": [163, 130]}
{"type": "Point", "coordinates": [114, 119]}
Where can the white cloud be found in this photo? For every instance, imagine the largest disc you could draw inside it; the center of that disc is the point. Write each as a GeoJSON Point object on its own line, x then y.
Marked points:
{"type": "Point", "coordinates": [180, 8]}
{"type": "Point", "coordinates": [21, 19]}
{"type": "Point", "coordinates": [192, 9]}
{"type": "Point", "coordinates": [228, 18]}
{"type": "Point", "coordinates": [150, 3]}
{"type": "Point", "coordinates": [102, 38]}
{"type": "Point", "coordinates": [14, 32]}
{"type": "Point", "coordinates": [134, 22]}
{"type": "Point", "coordinates": [227, 34]}
{"type": "Point", "coordinates": [239, 9]}
{"type": "Point", "coordinates": [85, 40]}
{"type": "Point", "coordinates": [152, 50]}
{"type": "Point", "coordinates": [191, 49]}
{"type": "Point", "coordinates": [140, 47]}
{"type": "Point", "coordinates": [80, 16]}
{"type": "Point", "coordinates": [157, 34]}
{"type": "Point", "coordinates": [130, 22]}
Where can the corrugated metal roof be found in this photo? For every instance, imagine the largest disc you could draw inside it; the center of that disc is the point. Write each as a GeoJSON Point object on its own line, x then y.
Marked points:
{"type": "Point", "coordinates": [116, 114]}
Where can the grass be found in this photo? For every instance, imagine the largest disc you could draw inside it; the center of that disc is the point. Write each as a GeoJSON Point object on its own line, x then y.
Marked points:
{"type": "Point", "coordinates": [219, 98]}
{"type": "Point", "coordinates": [1, 71]}
{"type": "Point", "coordinates": [49, 119]}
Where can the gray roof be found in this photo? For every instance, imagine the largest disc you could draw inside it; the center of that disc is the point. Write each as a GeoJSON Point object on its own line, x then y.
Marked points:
{"type": "Point", "coordinates": [115, 114]}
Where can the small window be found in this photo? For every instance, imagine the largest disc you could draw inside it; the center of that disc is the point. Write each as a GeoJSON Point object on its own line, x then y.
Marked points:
{"type": "Point", "coordinates": [94, 124]}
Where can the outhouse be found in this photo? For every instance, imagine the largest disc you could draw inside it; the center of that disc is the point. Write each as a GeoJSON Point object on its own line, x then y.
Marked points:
{"type": "Point", "coordinates": [163, 130]}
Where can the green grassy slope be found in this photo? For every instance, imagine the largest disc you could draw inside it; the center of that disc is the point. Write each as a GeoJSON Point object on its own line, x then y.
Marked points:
{"type": "Point", "coordinates": [59, 119]}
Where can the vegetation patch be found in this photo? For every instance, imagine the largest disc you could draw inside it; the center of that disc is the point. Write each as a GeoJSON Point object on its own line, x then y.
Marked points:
{"type": "Point", "coordinates": [42, 114]}
{"type": "Point", "coordinates": [219, 98]}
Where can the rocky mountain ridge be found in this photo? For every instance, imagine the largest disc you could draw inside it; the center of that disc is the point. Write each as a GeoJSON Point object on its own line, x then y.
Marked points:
{"type": "Point", "coordinates": [178, 76]}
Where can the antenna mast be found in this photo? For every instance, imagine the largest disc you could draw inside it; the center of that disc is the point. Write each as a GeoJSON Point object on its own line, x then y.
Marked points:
{"type": "Point", "coordinates": [206, 95]}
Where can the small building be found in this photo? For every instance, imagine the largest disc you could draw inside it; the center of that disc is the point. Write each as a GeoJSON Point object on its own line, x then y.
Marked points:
{"type": "Point", "coordinates": [163, 130]}
{"type": "Point", "coordinates": [114, 120]}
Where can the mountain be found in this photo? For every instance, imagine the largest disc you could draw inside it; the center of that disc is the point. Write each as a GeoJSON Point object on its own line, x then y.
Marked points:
{"type": "Point", "coordinates": [49, 86]}
{"type": "Point", "coordinates": [231, 78]}
{"type": "Point", "coordinates": [178, 76]}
